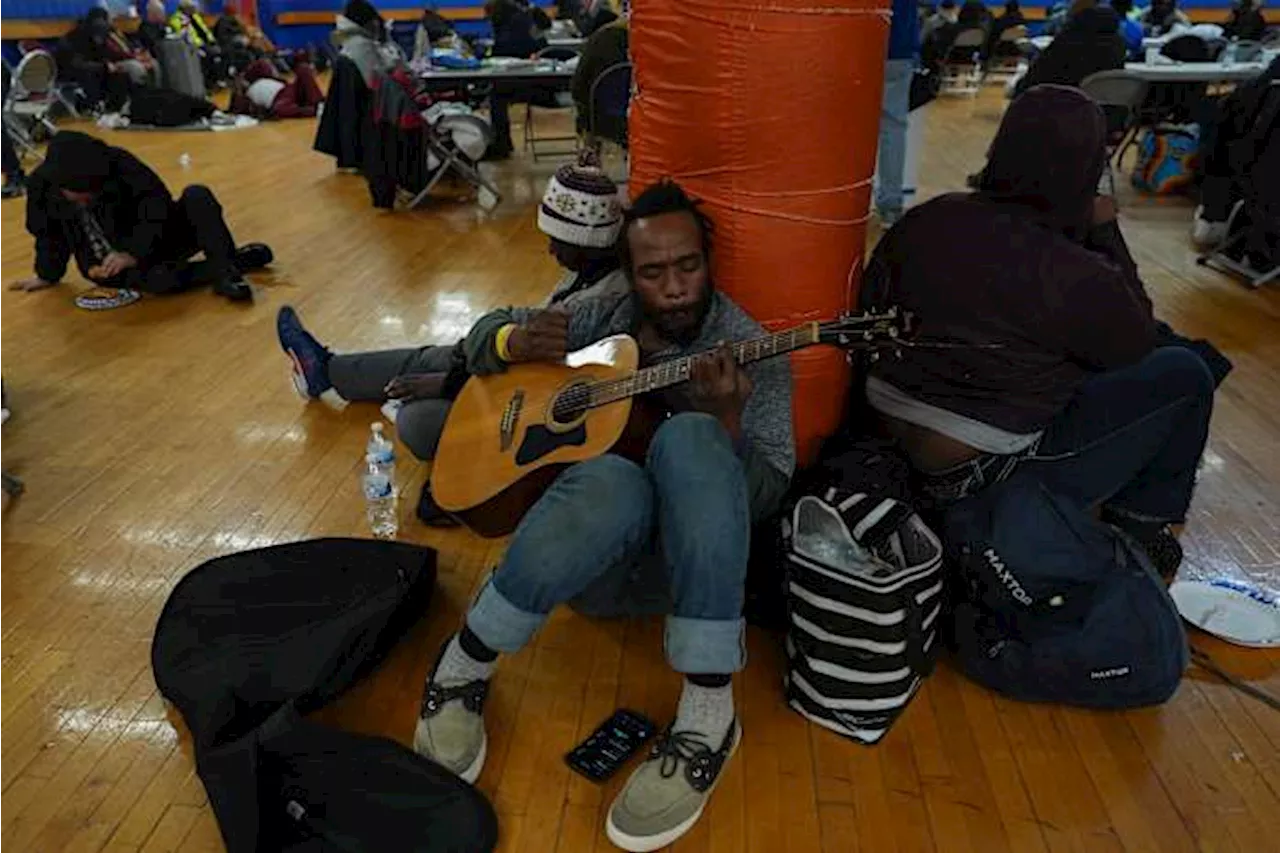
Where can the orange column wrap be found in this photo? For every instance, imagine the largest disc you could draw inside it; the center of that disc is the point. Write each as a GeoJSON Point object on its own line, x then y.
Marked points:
{"type": "Point", "coordinates": [770, 114]}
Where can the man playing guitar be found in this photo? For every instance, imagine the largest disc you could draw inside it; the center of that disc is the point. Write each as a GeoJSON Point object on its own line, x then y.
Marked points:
{"type": "Point", "coordinates": [610, 530]}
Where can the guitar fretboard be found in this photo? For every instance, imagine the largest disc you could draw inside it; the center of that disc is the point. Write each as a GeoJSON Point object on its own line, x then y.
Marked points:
{"type": "Point", "coordinates": [677, 370]}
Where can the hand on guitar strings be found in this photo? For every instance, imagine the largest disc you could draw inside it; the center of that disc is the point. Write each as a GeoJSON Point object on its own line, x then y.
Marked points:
{"type": "Point", "coordinates": [416, 386]}
{"type": "Point", "coordinates": [720, 387]}
{"type": "Point", "coordinates": [543, 337]}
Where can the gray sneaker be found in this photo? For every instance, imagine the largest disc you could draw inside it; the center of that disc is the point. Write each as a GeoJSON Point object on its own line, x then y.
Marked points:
{"type": "Point", "coordinates": [450, 728]}
{"type": "Point", "coordinates": [665, 796]}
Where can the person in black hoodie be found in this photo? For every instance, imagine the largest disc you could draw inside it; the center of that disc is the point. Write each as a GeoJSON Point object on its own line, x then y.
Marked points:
{"type": "Point", "coordinates": [113, 214]}
{"type": "Point", "coordinates": [1060, 368]}
{"type": "Point", "coordinates": [1090, 42]}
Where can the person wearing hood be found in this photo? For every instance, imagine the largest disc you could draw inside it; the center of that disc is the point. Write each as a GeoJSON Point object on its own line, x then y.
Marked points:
{"type": "Point", "coordinates": [1090, 42]}
{"type": "Point", "coordinates": [113, 214]}
{"type": "Point", "coordinates": [260, 91]}
{"type": "Point", "coordinates": [85, 56]}
{"type": "Point", "coordinates": [360, 35]}
{"type": "Point", "coordinates": [1058, 369]}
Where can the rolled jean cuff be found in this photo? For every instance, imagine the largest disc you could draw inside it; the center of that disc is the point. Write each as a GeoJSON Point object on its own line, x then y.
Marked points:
{"type": "Point", "coordinates": [499, 624]}
{"type": "Point", "coordinates": [705, 646]}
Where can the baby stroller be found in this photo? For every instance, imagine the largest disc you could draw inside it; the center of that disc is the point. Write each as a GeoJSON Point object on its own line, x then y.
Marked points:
{"type": "Point", "coordinates": [1251, 249]}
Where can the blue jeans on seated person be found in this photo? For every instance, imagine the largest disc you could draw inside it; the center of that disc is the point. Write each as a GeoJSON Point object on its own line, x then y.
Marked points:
{"type": "Point", "coordinates": [690, 498]}
{"type": "Point", "coordinates": [1130, 440]}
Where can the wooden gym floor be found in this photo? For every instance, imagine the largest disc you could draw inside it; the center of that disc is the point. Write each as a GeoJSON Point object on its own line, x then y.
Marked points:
{"type": "Point", "coordinates": [157, 436]}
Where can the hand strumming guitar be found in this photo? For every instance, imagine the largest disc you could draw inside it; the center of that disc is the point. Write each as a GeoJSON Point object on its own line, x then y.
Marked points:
{"type": "Point", "coordinates": [543, 337]}
{"type": "Point", "coordinates": [720, 387]}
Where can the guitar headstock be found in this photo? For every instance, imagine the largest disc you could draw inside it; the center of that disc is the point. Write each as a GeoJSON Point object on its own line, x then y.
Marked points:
{"type": "Point", "coordinates": [870, 330]}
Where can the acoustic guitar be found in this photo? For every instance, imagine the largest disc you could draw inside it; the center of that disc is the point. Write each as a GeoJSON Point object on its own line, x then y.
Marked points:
{"type": "Point", "coordinates": [509, 434]}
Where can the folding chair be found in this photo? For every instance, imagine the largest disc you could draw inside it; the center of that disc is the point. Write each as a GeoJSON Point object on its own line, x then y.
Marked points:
{"type": "Point", "coordinates": [65, 90]}
{"type": "Point", "coordinates": [961, 67]}
{"type": "Point", "coordinates": [451, 158]}
{"type": "Point", "coordinates": [12, 485]}
{"type": "Point", "coordinates": [1121, 95]}
{"type": "Point", "coordinates": [1251, 250]}
{"type": "Point", "coordinates": [531, 138]}
{"type": "Point", "coordinates": [610, 99]}
{"type": "Point", "coordinates": [1007, 51]}
{"type": "Point", "coordinates": [33, 92]}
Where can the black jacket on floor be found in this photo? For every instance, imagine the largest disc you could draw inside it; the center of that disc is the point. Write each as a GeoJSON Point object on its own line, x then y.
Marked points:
{"type": "Point", "coordinates": [133, 206]}
{"type": "Point", "coordinates": [249, 644]}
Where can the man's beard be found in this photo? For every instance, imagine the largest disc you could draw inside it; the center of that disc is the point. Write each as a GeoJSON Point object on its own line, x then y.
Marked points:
{"type": "Point", "coordinates": [680, 327]}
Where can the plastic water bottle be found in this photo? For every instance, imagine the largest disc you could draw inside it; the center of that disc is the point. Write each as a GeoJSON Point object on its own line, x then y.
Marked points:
{"type": "Point", "coordinates": [379, 485]}
{"type": "Point", "coordinates": [1229, 53]}
{"type": "Point", "coordinates": [380, 451]}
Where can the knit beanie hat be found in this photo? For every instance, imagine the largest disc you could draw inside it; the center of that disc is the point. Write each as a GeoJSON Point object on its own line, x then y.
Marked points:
{"type": "Point", "coordinates": [581, 206]}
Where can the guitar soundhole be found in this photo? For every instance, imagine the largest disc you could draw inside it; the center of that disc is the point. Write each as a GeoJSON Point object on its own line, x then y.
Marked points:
{"type": "Point", "coordinates": [571, 404]}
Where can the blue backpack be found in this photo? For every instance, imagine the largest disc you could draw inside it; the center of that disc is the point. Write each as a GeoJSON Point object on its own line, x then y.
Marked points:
{"type": "Point", "coordinates": [1054, 606]}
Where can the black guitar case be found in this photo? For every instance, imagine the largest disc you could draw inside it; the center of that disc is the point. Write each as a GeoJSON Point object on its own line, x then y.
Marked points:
{"type": "Point", "coordinates": [249, 643]}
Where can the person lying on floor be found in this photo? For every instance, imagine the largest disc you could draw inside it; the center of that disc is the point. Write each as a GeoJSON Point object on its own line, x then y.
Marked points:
{"type": "Point", "coordinates": [111, 212]}
{"type": "Point", "coordinates": [676, 525]}
{"type": "Point", "coordinates": [580, 214]}
{"type": "Point", "coordinates": [1065, 376]}
{"type": "Point", "coordinates": [261, 92]}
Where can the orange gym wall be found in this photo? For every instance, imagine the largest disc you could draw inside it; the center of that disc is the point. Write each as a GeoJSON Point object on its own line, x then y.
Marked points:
{"type": "Point", "coordinates": [769, 112]}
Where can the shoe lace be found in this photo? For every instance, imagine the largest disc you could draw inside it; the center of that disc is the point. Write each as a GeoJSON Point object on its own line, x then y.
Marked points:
{"type": "Point", "coordinates": [674, 747]}
{"type": "Point", "coordinates": [436, 696]}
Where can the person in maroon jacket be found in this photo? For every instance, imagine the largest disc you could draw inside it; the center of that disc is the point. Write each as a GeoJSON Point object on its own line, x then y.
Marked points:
{"type": "Point", "coordinates": [1065, 375]}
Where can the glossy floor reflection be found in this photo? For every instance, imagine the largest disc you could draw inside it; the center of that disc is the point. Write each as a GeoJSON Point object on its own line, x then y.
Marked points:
{"type": "Point", "coordinates": [162, 434]}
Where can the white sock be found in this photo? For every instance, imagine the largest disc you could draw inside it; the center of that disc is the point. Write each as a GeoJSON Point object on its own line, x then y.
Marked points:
{"type": "Point", "coordinates": [705, 710]}
{"type": "Point", "coordinates": [458, 667]}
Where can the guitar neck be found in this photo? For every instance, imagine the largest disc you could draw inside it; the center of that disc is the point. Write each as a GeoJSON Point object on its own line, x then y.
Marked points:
{"type": "Point", "coordinates": [678, 370]}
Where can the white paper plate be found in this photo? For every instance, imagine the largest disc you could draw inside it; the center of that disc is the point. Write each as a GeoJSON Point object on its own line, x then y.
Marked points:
{"type": "Point", "coordinates": [1237, 613]}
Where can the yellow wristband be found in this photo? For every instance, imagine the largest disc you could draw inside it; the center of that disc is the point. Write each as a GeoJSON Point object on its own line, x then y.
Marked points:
{"type": "Point", "coordinates": [502, 339]}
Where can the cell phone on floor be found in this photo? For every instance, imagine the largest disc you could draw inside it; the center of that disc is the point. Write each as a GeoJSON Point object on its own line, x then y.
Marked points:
{"type": "Point", "coordinates": [611, 744]}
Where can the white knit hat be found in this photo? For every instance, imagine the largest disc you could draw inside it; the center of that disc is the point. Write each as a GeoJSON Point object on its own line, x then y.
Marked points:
{"type": "Point", "coordinates": [581, 207]}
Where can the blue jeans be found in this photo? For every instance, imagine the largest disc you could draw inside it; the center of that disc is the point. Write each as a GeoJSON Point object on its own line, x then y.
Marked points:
{"type": "Point", "coordinates": [1130, 439]}
{"type": "Point", "coordinates": [892, 165]}
{"type": "Point", "coordinates": [690, 497]}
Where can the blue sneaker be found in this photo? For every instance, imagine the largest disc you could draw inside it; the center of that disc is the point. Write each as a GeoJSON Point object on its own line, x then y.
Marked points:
{"type": "Point", "coordinates": [310, 360]}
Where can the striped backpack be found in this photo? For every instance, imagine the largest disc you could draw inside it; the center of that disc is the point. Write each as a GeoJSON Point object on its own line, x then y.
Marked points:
{"type": "Point", "coordinates": [864, 596]}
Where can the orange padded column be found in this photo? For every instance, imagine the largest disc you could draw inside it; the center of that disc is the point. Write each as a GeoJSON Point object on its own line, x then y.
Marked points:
{"type": "Point", "coordinates": [769, 112]}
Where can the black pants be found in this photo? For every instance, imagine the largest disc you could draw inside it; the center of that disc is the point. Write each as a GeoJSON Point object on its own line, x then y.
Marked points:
{"type": "Point", "coordinates": [195, 226]}
{"type": "Point", "coordinates": [12, 164]}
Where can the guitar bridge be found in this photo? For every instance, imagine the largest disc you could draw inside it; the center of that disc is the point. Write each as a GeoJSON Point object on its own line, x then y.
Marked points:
{"type": "Point", "coordinates": [510, 417]}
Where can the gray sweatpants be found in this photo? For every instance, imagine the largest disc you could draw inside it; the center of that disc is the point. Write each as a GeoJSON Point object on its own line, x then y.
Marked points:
{"type": "Point", "coordinates": [363, 376]}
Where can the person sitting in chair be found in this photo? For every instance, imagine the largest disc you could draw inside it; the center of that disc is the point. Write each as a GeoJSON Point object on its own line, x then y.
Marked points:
{"type": "Point", "coordinates": [85, 57]}
{"type": "Point", "coordinates": [260, 91]}
{"type": "Point", "coordinates": [1059, 368]}
{"type": "Point", "coordinates": [1162, 16]}
{"type": "Point", "coordinates": [677, 522]}
{"type": "Point", "coordinates": [113, 214]}
{"type": "Point", "coordinates": [188, 23]}
{"type": "Point", "coordinates": [605, 48]}
{"type": "Point", "coordinates": [580, 214]}
{"type": "Point", "coordinates": [1089, 43]}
